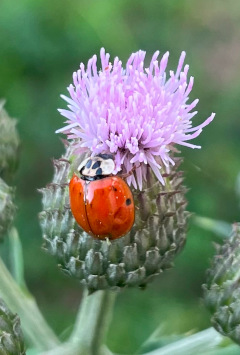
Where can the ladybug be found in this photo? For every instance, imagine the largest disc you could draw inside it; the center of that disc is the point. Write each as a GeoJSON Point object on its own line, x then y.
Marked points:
{"type": "Point", "coordinates": [101, 203]}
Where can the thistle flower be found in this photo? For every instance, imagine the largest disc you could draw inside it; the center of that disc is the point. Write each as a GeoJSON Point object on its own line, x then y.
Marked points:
{"type": "Point", "coordinates": [138, 115]}
{"type": "Point", "coordinates": [11, 337]}
{"type": "Point", "coordinates": [135, 113]}
{"type": "Point", "coordinates": [222, 290]}
{"type": "Point", "coordinates": [9, 143]}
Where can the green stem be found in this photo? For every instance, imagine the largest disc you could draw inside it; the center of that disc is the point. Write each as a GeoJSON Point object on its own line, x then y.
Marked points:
{"type": "Point", "coordinates": [92, 322]}
{"type": "Point", "coordinates": [35, 328]}
{"type": "Point", "coordinates": [198, 343]}
{"type": "Point", "coordinates": [16, 257]}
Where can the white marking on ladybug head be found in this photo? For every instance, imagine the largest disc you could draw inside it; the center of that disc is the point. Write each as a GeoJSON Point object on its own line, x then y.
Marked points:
{"type": "Point", "coordinates": [107, 166]}
{"type": "Point", "coordinates": [100, 165]}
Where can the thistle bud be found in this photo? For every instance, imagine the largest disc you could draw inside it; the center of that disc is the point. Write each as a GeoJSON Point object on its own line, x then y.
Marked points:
{"type": "Point", "coordinates": [137, 116]}
{"type": "Point", "coordinates": [7, 207]}
{"type": "Point", "coordinates": [9, 143]}
{"type": "Point", "coordinates": [222, 290]}
{"type": "Point", "coordinates": [11, 337]}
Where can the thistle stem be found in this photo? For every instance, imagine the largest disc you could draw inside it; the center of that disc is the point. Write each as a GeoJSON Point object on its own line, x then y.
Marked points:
{"type": "Point", "coordinates": [92, 322]}
{"type": "Point", "coordinates": [16, 258]}
{"type": "Point", "coordinates": [35, 328]}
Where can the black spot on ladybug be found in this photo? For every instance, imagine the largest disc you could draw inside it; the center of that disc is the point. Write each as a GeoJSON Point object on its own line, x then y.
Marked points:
{"type": "Point", "coordinates": [114, 188]}
{"type": "Point", "coordinates": [96, 165]}
{"type": "Point", "coordinates": [99, 171]}
{"type": "Point", "coordinates": [89, 163]}
{"type": "Point", "coordinates": [128, 201]}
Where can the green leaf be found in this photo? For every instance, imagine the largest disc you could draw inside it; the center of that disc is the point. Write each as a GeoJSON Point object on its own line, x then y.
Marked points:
{"type": "Point", "coordinates": [66, 333]}
{"type": "Point", "coordinates": [220, 228]}
{"type": "Point", "coordinates": [228, 350]}
{"type": "Point", "coordinates": [32, 352]}
{"type": "Point", "coordinates": [198, 343]}
{"type": "Point", "coordinates": [153, 344]}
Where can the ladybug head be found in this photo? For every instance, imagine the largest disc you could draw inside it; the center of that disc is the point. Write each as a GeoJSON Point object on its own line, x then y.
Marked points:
{"type": "Point", "coordinates": [97, 167]}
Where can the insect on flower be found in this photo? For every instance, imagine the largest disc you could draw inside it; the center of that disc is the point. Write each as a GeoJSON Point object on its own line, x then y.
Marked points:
{"type": "Point", "coordinates": [136, 113]}
{"type": "Point", "coordinates": [101, 203]}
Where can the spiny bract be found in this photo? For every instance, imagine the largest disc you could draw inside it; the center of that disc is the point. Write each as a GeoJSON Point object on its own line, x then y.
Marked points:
{"type": "Point", "coordinates": [9, 143]}
{"type": "Point", "coordinates": [222, 290]}
{"type": "Point", "coordinates": [7, 208]}
{"type": "Point", "coordinates": [158, 233]}
{"type": "Point", "coordinates": [11, 337]}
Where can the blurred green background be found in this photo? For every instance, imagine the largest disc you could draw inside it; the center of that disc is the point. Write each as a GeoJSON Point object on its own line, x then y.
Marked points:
{"type": "Point", "coordinates": [41, 43]}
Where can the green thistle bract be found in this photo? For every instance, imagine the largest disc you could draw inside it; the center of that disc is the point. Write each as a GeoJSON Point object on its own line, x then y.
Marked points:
{"type": "Point", "coordinates": [157, 236]}
{"type": "Point", "coordinates": [7, 207]}
{"type": "Point", "coordinates": [9, 143]}
{"type": "Point", "coordinates": [222, 290]}
{"type": "Point", "coordinates": [11, 337]}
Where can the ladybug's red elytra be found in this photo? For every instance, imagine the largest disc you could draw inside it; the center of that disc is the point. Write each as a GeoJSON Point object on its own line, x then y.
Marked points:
{"type": "Point", "coordinates": [101, 203]}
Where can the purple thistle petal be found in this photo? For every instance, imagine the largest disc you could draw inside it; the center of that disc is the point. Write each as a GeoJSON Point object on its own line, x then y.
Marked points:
{"type": "Point", "coordinates": [136, 113]}
{"type": "Point", "coordinates": [205, 123]}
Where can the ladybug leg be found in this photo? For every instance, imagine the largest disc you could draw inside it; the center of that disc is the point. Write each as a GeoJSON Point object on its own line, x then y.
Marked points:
{"type": "Point", "coordinates": [107, 241]}
{"type": "Point", "coordinates": [126, 175]}
{"type": "Point", "coordinates": [64, 160]}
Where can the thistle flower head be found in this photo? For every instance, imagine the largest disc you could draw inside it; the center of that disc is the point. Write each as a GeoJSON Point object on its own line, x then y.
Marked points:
{"type": "Point", "coordinates": [138, 115]}
{"type": "Point", "coordinates": [134, 112]}
{"type": "Point", "coordinates": [222, 290]}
